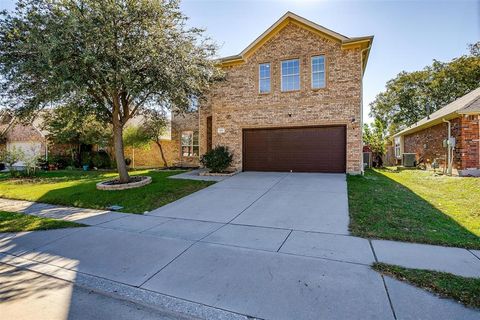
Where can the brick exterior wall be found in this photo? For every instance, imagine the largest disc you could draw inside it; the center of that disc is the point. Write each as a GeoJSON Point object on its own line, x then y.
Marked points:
{"type": "Point", "coordinates": [235, 104]}
{"type": "Point", "coordinates": [180, 123]}
{"type": "Point", "coordinates": [468, 144]}
{"type": "Point", "coordinates": [428, 143]}
{"type": "Point", "coordinates": [150, 157]}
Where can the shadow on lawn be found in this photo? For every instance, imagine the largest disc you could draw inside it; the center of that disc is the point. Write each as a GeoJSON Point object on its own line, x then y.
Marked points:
{"type": "Point", "coordinates": [383, 208]}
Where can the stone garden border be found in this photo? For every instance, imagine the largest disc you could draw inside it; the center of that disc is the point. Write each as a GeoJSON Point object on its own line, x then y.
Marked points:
{"type": "Point", "coordinates": [215, 174]}
{"type": "Point", "coordinates": [105, 185]}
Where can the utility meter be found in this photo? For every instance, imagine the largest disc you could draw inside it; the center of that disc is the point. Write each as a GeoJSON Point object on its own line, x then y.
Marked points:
{"type": "Point", "coordinates": [451, 142]}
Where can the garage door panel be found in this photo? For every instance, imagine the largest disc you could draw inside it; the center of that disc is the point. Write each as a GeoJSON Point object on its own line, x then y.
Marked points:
{"type": "Point", "coordinates": [308, 149]}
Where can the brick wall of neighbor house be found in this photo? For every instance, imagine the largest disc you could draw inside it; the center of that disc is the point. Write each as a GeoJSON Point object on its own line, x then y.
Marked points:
{"type": "Point", "coordinates": [150, 157]}
{"type": "Point", "coordinates": [469, 142]}
{"type": "Point", "coordinates": [235, 104]}
{"type": "Point", "coordinates": [428, 143]}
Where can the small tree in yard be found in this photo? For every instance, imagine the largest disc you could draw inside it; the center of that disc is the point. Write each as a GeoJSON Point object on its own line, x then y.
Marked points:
{"type": "Point", "coordinates": [154, 126]}
{"type": "Point", "coordinates": [118, 56]}
{"type": "Point", "coordinates": [135, 138]}
{"type": "Point", "coordinates": [374, 137]}
{"type": "Point", "coordinates": [10, 157]}
{"type": "Point", "coordinates": [218, 159]}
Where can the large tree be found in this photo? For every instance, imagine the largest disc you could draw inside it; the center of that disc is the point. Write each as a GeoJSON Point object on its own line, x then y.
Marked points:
{"type": "Point", "coordinates": [411, 96]}
{"type": "Point", "coordinates": [121, 56]}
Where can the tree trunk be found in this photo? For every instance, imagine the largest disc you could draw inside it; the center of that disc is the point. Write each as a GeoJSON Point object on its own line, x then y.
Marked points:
{"type": "Point", "coordinates": [119, 152]}
{"type": "Point", "coordinates": [159, 144]}
{"type": "Point", "coordinates": [133, 158]}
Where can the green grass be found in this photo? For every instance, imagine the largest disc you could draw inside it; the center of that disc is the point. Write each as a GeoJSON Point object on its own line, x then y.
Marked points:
{"type": "Point", "coordinates": [461, 289]}
{"type": "Point", "coordinates": [16, 222]}
{"type": "Point", "coordinates": [415, 206]}
{"type": "Point", "coordinates": [77, 188]}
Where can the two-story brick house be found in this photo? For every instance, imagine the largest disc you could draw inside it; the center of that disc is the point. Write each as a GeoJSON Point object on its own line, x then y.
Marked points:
{"type": "Point", "coordinates": [291, 101]}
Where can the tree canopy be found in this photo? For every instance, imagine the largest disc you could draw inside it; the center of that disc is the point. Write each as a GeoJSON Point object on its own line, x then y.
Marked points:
{"type": "Point", "coordinates": [118, 56]}
{"type": "Point", "coordinates": [411, 96]}
{"type": "Point", "coordinates": [70, 125]}
{"type": "Point", "coordinates": [374, 136]}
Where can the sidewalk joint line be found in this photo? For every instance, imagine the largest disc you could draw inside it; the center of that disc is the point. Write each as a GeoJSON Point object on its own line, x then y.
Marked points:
{"type": "Point", "coordinates": [373, 250]}
{"type": "Point", "coordinates": [285, 240]}
{"type": "Point", "coordinates": [469, 250]}
{"type": "Point", "coordinates": [383, 280]}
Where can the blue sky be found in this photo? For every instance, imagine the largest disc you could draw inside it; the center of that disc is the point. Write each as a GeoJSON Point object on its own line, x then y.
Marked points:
{"type": "Point", "coordinates": [408, 34]}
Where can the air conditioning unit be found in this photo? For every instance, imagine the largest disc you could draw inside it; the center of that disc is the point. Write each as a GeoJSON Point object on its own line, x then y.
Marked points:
{"type": "Point", "coordinates": [409, 159]}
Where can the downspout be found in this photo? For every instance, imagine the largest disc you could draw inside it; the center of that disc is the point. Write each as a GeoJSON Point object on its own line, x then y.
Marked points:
{"type": "Point", "coordinates": [449, 148]}
{"type": "Point", "coordinates": [361, 108]}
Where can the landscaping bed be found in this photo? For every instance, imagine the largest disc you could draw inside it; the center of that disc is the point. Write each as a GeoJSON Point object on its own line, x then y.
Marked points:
{"type": "Point", "coordinates": [461, 289]}
{"type": "Point", "coordinates": [415, 206]}
{"type": "Point", "coordinates": [17, 222]}
{"type": "Point", "coordinates": [78, 188]}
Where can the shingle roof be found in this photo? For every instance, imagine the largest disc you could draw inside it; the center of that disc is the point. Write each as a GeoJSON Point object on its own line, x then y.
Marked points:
{"type": "Point", "coordinates": [467, 104]}
{"type": "Point", "coordinates": [473, 107]}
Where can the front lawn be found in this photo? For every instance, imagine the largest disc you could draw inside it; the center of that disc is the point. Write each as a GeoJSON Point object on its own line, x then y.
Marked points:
{"type": "Point", "coordinates": [461, 289]}
{"type": "Point", "coordinates": [16, 222]}
{"type": "Point", "coordinates": [77, 188]}
{"type": "Point", "coordinates": [415, 206]}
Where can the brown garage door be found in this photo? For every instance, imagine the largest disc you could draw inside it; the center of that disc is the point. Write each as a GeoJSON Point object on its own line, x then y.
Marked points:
{"type": "Point", "coordinates": [305, 149]}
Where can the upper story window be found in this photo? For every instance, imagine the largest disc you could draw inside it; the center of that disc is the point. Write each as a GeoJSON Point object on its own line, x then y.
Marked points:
{"type": "Point", "coordinates": [318, 72]}
{"type": "Point", "coordinates": [264, 78]}
{"type": "Point", "coordinates": [291, 75]}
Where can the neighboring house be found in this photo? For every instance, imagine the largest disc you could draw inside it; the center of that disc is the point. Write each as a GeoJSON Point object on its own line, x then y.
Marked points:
{"type": "Point", "coordinates": [291, 101]}
{"type": "Point", "coordinates": [428, 137]}
{"type": "Point", "coordinates": [27, 138]}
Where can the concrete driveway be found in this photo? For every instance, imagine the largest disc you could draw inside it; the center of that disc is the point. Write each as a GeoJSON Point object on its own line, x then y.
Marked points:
{"type": "Point", "coordinates": [265, 245]}
{"type": "Point", "coordinates": [291, 201]}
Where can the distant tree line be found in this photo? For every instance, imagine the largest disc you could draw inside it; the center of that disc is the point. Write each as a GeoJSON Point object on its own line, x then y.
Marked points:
{"type": "Point", "coordinates": [411, 96]}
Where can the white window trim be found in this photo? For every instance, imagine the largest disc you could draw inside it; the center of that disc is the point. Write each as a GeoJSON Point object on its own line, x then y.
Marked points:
{"type": "Point", "coordinates": [397, 147]}
{"type": "Point", "coordinates": [324, 71]}
{"type": "Point", "coordinates": [260, 78]}
{"type": "Point", "coordinates": [192, 145]}
{"type": "Point", "coordinates": [294, 74]}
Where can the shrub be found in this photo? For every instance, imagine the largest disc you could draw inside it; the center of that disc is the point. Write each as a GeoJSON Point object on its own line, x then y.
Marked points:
{"type": "Point", "coordinates": [61, 161]}
{"type": "Point", "coordinates": [31, 164]}
{"type": "Point", "coordinates": [218, 159]}
{"type": "Point", "coordinates": [101, 159]}
{"type": "Point", "coordinates": [12, 156]}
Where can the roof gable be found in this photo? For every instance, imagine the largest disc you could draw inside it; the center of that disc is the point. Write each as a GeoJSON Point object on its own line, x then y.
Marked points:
{"type": "Point", "coordinates": [289, 17]}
